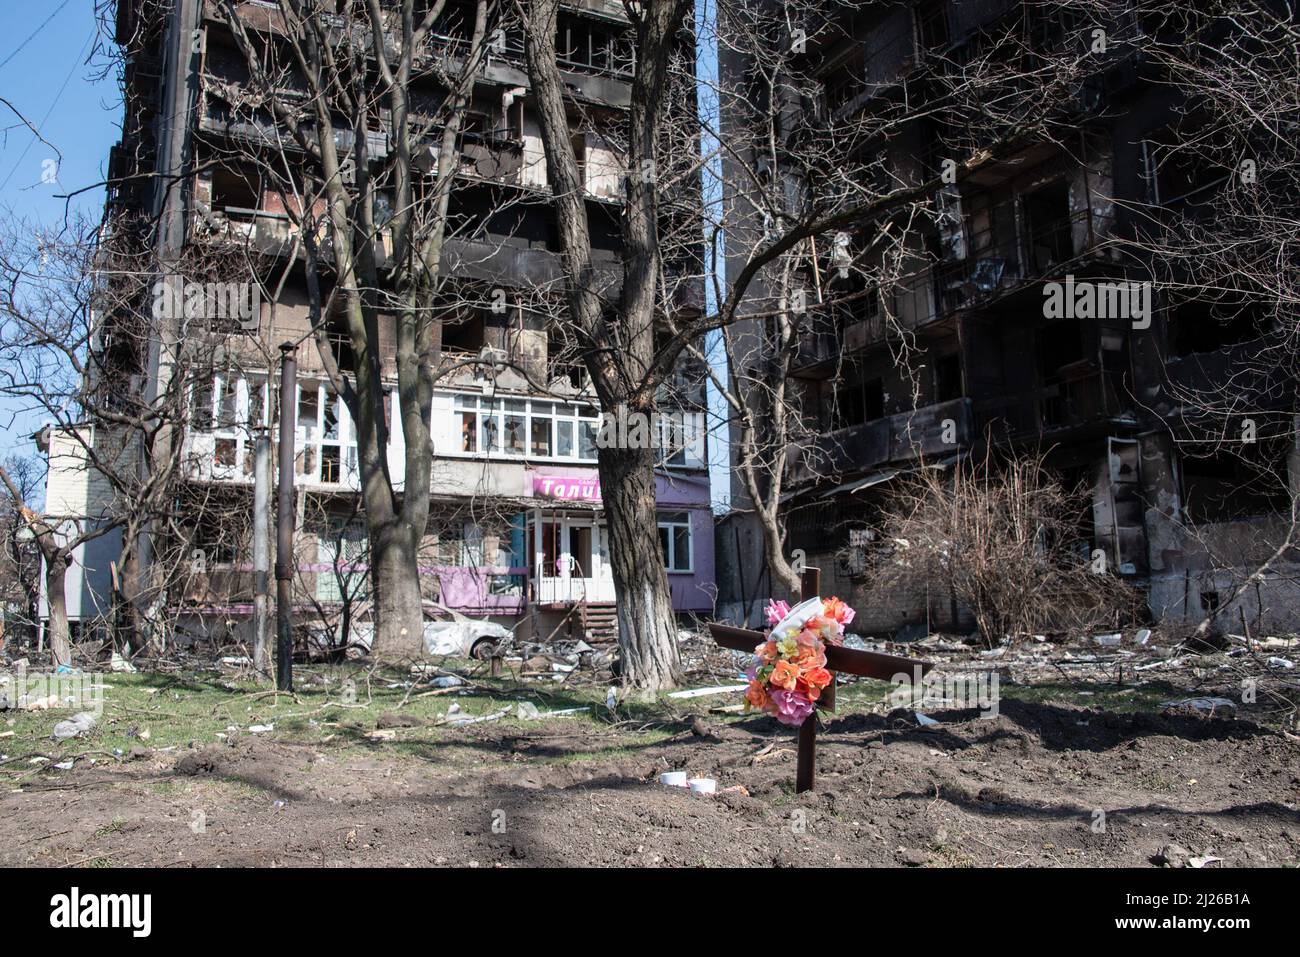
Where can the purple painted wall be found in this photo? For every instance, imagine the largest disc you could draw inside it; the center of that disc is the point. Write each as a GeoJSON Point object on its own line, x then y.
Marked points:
{"type": "Point", "coordinates": [467, 589]}
{"type": "Point", "coordinates": [689, 492]}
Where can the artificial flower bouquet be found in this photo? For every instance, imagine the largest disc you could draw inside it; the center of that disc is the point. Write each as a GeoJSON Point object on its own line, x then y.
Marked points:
{"type": "Point", "coordinates": [789, 670]}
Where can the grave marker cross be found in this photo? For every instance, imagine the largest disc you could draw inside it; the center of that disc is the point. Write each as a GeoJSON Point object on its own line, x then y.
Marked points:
{"type": "Point", "coordinates": [865, 664]}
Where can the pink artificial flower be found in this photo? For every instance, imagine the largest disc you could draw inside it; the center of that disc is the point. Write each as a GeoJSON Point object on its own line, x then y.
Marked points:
{"type": "Point", "coordinates": [792, 707]}
{"type": "Point", "coordinates": [776, 610]}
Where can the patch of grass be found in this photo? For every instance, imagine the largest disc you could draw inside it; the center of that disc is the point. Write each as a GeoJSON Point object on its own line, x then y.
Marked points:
{"type": "Point", "coordinates": [338, 705]}
{"type": "Point", "coordinates": [952, 856]}
{"type": "Point", "coordinates": [1157, 782]}
{"type": "Point", "coordinates": [111, 827]}
{"type": "Point", "coordinates": [1106, 697]}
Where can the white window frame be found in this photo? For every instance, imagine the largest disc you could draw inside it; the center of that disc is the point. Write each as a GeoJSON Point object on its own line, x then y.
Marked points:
{"type": "Point", "coordinates": [239, 428]}
{"type": "Point", "coordinates": [310, 436]}
{"type": "Point", "coordinates": [672, 521]}
{"type": "Point", "coordinates": [495, 409]}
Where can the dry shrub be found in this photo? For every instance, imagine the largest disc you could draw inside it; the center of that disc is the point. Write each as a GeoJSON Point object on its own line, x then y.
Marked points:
{"type": "Point", "coordinates": [1008, 537]}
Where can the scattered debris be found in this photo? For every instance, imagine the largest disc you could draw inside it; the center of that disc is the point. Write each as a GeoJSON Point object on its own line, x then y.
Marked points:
{"type": "Point", "coordinates": [1173, 855]}
{"type": "Point", "coordinates": [703, 692]}
{"type": "Point", "coordinates": [702, 785]}
{"type": "Point", "coordinates": [118, 663]}
{"type": "Point", "coordinates": [76, 726]}
{"type": "Point", "coordinates": [527, 711]}
{"type": "Point", "coordinates": [673, 779]}
{"type": "Point", "coordinates": [1199, 862]}
{"type": "Point", "coordinates": [459, 719]}
{"type": "Point", "coordinates": [260, 728]}
{"type": "Point", "coordinates": [1108, 641]}
{"type": "Point", "coordinates": [1200, 704]}
{"type": "Point", "coordinates": [925, 721]}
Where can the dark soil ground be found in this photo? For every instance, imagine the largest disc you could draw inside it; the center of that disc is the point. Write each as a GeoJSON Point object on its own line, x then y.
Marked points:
{"type": "Point", "coordinates": [1049, 781]}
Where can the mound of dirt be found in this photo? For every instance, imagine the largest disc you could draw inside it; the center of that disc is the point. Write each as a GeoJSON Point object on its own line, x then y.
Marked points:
{"type": "Point", "coordinates": [1039, 784]}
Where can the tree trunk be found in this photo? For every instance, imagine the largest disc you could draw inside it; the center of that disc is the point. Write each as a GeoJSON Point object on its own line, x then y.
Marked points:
{"type": "Point", "coordinates": [783, 573]}
{"type": "Point", "coordinates": [397, 602]}
{"type": "Point", "coordinates": [647, 630]}
{"type": "Point", "coordinates": [56, 570]}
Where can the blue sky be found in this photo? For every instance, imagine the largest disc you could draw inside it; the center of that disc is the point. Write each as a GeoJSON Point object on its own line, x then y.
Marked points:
{"type": "Point", "coordinates": [45, 74]}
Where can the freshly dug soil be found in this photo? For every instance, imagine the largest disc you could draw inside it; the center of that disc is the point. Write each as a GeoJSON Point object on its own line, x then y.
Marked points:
{"type": "Point", "coordinates": [1039, 784]}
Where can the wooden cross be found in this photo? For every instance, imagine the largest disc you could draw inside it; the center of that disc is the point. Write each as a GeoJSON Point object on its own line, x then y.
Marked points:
{"type": "Point", "coordinates": [865, 664]}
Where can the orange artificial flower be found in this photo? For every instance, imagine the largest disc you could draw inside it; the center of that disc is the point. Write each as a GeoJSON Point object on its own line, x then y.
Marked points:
{"type": "Point", "coordinates": [756, 695]}
{"type": "Point", "coordinates": [784, 675]}
{"type": "Point", "coordinates": [817, 678]}
{"type": "Point", "coordinates": [811, 655]}
{"type": "Point", "coordinates": [838, 610]}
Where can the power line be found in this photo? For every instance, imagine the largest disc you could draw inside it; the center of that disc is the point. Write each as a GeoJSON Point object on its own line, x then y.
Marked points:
{"type": "Point", "coordinates": [44, 118]}
{"type": "Point", "coordinates": [34, 32]}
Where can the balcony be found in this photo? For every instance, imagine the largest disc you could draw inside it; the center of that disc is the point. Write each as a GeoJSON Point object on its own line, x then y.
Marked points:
{"type": "Point", "coordinates": [834, 330]}
{"type": "Point", "coordinates": [1081, 396]}
{"type": "Point", "coordinates": [933, 431]}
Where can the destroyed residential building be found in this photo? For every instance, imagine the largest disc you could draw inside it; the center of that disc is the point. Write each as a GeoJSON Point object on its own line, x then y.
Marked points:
{"type": "Point", "coordinates": [516, 533]}
{"type": "Point", "coordinates": [1177, 511]}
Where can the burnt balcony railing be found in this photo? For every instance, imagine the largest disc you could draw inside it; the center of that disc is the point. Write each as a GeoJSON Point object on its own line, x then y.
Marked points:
{"type": "Point", "coordinates": [836, 328]}
{"type": "Point", "coordinates": [1087, 397]}
{"type": "Point", "coordinates": [933, 431]}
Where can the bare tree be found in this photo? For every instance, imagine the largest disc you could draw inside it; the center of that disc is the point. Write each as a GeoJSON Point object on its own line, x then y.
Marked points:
{"type": "Point", "coordinates": [372, 224]}
{"type": "Point", "coordinates": [60, 364]}
{"type": "Point", "coordinates": [617, 340]}
{"type": "Point", "coordinates": [19, 561]}
{"type": "Point", "coordinates": [1005, 537]}
{"type": "Point", "coordinates": [831, 185]}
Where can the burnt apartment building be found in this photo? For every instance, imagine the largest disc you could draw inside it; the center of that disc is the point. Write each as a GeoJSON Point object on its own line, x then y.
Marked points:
{"type": "Point", "coordinates": [1180, 509]}
{"type": "Point", "coordinates": [516, 533]}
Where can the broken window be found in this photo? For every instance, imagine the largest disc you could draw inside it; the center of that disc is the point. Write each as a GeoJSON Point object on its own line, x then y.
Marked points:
{"type": "Point", "coordinates": [562, 359]}
{"type": "Point", "coordinates": [450, 547]}
{"type": "Point", "coordinates": [236, 192]}
{"type": "Point", "coordinates": [467, 413]}
{"type": "Point", "coordinates": [1204, 325]}
{"type": "Point", "coordinates": [1179, 172]}
{"type": "Point", "coordinates": [463, 331]}
{"type": "Point", "coordinates": [932, 29]}
{"type": "Point", "coordinates": [215, 541]}
{"type": "Point", "coordinates": [846, 81]}
{"type": "Point", "coordinates": [1225, 484]}
{"type": "Point", "coordinates": [859, 402]}
{"type": "Point", "coordinates": [582, 44]}
{"type": "Point", "coordinates": [1047, 225]}
{"type": "Point", "coordinates": [947, 377]}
